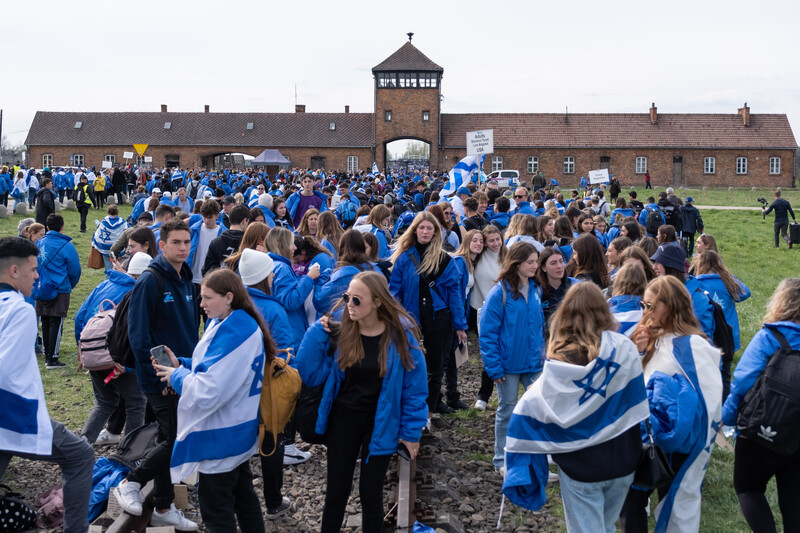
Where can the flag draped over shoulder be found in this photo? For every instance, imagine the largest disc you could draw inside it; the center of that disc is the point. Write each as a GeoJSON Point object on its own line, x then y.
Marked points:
{"type": "Point", "coordinates": [569, 408]}
{"type": "Point", "coordinates": [218, 410]}
{"type": "Point", "coordinates": [463, 173]}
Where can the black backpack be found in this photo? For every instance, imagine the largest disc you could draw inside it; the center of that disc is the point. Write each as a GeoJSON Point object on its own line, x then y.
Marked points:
{"type": "Point", "coordinates": [655, 219]}
{"type": "Point", "coordinates": [119, 346]}
{"type": "Point", "coordinates": [770, 411]}
{"type": "Point", "coordinates": [132, 449]}
{"type": "Point", "coordinates": [723, 333]}
{"type": "Point", "coordinates": [673, 216]}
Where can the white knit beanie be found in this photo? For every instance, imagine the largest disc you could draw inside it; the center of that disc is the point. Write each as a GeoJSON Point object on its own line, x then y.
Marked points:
{"type": "Point", "coordinates": [255, 266]}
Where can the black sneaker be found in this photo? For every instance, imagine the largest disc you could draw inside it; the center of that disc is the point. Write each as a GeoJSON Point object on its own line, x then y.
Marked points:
{"type": "Point", "coordinates": [444, 409]}
{"type": "Point", "coordinates": [54, 364]}
{"type": "Point", "coordinates": [458, 405]}
{"type": "Point", "coordinates": [282, 509]}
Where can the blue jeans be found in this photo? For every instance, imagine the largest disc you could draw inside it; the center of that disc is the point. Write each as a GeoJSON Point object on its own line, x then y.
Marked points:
{"type": "Point", "coordinates": [593, 507]}
{"type": "Point", "coordinates": [507, 394]}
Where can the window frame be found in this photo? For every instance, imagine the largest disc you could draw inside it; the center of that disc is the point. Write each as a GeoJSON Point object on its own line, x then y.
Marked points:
{"type": "Point", "coordinates": [533, 164]}
{"type": "Point", "coordinates": [47, 160]}
{"type": "Point", "coordinates": [497, 163]}
{"type": "Point", "coordinates": [773, 171]}
{"type": "Point", "coordinates": [569, 164]}
{"type": "Point", "coordinates": [741, 166]}
{"type": "Point", "coordinates": [352, 163]}
{"type": "Point", "coordinates": [641, 164]}
{"type": "Point", "coordinates": [426, 116]}
{"type": "Point", "coordinates": [709, 165]}
{"type": "Point", "coordinates": [387, 115]}
{"type": "Point", "coordinates": [427, 80]}
{"type": "Point", "coordinates": [110, 157]}
{"type": "Point", "coordinates": [78, 162]}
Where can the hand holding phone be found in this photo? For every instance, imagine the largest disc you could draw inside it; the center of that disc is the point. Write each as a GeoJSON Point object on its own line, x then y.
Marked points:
{"type": "Point", "coordinates": [161, 357]}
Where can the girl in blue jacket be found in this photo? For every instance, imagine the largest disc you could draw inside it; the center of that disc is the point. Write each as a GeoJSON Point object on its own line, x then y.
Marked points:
{"type": "Point", "coordinates": [353, 260]}
{"type": "Point", "coordinates": [427, 283]}
{"type": "Point", "coordinates": [754, 465]}
{"type": "Point", "coordinates": [374, 394]}
{"type": "Point", "coordinates": [512, 336]}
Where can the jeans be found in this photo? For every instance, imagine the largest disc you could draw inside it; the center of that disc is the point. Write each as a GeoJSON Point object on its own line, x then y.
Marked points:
{"type": "Point", "coordinates": [155, 464]}
{"type": "Point", "coordinates": [76, 459]}
{"type": "Point", "coordinates": [107, 265]}
{"type": "Point", "coordinates": [507, 394]}
{"type": "Point", "coordinates": [228, 498]}
{"type": "Point", "coordinates": [780, 228]}
{"type": "Point", "coordinates": [31, 197]}
{"type": "Point", "coordinates": [588, 505]}
{"type": "Point", "coordinates": [107, 398]}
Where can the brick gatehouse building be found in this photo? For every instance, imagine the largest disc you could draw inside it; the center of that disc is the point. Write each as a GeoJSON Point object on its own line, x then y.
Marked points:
{"type": "Point", "coordinates": [693, 149]}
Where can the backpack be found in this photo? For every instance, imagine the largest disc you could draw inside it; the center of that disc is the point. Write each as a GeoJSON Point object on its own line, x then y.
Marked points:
{"type": "Point", "coordinates": [81, 198]}
{"type": "Point", "coordinates": [307, 407]}
{"type": "Point", "coordinates": [135, 445]}
{"type": "Point", "coordinates": [446, 245]}
{"type": "Point", "coordinates": [50, 505]}
{"type": "Point", "coordinates": [191, 190]}
{"type": "Point", "coordinates": [93, 352]}
{"type": "Point", "coordinates": [673, 216]}
{"type": "Point", "coordinates": [15, 514]}
{"type": "Point", "coordinates": [348, 212]}
{"type": "Point", "coordinates": [770, 411]}
{"type": "Point", "coordinates": [655, 219]}
{"type": "Point", "coordinates": [723, 333]}
{"type": "Point", "coordinates": [119, 345]}
{"type": "Point", "coordinates": [278, 399]}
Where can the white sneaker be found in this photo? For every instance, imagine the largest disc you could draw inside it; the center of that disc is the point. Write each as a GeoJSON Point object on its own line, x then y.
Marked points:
{"type": "Point", "coordinates": [552, 477]}
{"type": "Point", "coordinates": [480, 405]}
{"type": "Point", "coordinates": [174, 517]}
{"type": "Point", "coordinates": [293, 456]}
{"type": "Point", "coordinates": [107, 438]}
{"type": "Point", "coordinates": [129, 497]}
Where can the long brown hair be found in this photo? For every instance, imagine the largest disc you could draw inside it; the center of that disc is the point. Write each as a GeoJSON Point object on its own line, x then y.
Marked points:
{"type": "Point", "coordinates": [433, 256]}
{"type": "Point", "coordinates": [353, 249]}
{"type": "Point", "coordinates": [634, 252]}
{"type": "Point", "coordinates": [630, 280]}
{"type": "Point", "coordinates": [437, 211]}
{"type": "Point", "coordinates": [464, 250]}
{"type": "Point", "coordinates": [144, 235]}
{"type": "Point", "coordinates": [302, 229]}
{"type": "Point", "coordinates": [254, 234]}
{"type": "Point", "coordinates": [543, 221]}
{"type": "Point", "coordinates": [678, 317]}
{"type": "Point", "coordinates": [509, 271]}
{"type": "Point", "coordinates": [328, 227]}
{"type": "Point", "coordinates": [391, 313]}
{"type": "Point", "coordinates": [489, 230]}
{"type": "Point", "coordinates": [709, 262]}
{"type": "Point", "coordinates": [223, 281]}
{"type": "Point", "coordinates": [577, 327]}
{"type": "Point", "coordinates": [590, 259]}
{"type": "Point", "coordinates": [378, 214]}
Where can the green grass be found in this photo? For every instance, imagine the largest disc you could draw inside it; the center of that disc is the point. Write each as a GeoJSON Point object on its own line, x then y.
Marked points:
{"type": "Point", "coordinates": [722, 196]}
{"type": "Point", "coordinates": [744, 240]}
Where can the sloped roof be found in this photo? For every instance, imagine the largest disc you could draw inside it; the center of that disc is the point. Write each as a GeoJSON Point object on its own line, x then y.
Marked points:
{"type": "Point", "coordinates": [621, 130]}
{"type": "Point", "coordinates": [408, 57]}
{"type": "Point", "coordinates": [199, 129]}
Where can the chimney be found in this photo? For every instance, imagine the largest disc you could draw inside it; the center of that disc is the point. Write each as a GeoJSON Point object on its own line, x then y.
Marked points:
{"type": "Point", "coordinates": [653, 114]}
{"type": "Point", "coordinates": [208, 108]}
{"type": "Point", "coordinates": [346, 109]}
{"type": "Point", "coordinates": [299, 108]}
{"type": "Point", "coordinates": [745, 112]}
{"type": "Point", "coordinates": [163, 108]}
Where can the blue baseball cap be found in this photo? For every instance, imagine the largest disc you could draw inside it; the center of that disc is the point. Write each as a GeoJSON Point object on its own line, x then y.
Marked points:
{"type": "Point", "coordinates": [463, 190]}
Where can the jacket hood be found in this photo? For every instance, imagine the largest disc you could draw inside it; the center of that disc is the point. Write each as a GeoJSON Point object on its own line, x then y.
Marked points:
{"type": "Point", "coordinates": [163, 267]}
{"type": "Point", "coordinates": [232, 237]}
{"type": "Point", "coordinates": [118, 278]}
{"type": "Point", "coordinates": [56, 235]}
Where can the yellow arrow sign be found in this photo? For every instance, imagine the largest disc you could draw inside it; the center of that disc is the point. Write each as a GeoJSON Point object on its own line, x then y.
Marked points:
{"type": "Point", "coordinates": [140, 148]}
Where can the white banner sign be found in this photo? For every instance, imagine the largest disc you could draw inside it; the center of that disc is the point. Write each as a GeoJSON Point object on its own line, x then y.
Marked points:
{"type": "Point", "coordinates": [480, 142]}
{"type": "Point", "coordinates": [598, 176]}
{"type": "Point", "coordinates": [148, 159]}
{"type": "Point", "coordinates": [127, 155]}
{"type": "Point", "coordinates": [107, 164]}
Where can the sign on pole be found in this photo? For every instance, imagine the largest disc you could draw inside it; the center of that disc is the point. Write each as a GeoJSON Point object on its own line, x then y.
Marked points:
{"type": "Point", "coordinates": [148, 159]}
{"type": "Point", "coordinates": [107, 164]}
{"type": "Point", "coordinates": [127, 155]}
{"type": "Point", "coordinates": [598, 176]}
{"type": "Point", "coordinates": [140, 148]}
{"type": "Point", "coordinates": [480, 142]}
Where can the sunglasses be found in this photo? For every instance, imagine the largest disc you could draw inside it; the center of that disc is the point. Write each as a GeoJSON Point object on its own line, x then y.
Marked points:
{"type": "Point", "coordinates": [647, 306]}
{"type": "Point", "coordinates": [356, 300]}
{"type": "Point", "coordinates": [519, 196]}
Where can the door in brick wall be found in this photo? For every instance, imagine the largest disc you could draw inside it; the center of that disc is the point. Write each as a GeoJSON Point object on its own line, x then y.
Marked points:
{"type": "Point", "coordinates": [317, 162]}
{"type": "Point", "coordinates": [172, 160]}
{"type": "Point", "coordinates": [605, 163]}
{"type": "Point", "coordinates": [677, 171]}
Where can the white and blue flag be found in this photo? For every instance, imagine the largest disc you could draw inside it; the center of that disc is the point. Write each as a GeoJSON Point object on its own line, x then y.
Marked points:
{"type": "Point", "coordinates": [375, 168]}
{"type": "Point", "coordinates": [463, 173]}
{"type": "Point", "coordinates": [569, 408]}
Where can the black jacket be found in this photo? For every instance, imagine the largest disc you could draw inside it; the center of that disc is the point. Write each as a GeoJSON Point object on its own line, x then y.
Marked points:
{"type": "Point", "coordinates": [782, 210]}
{"type": "Point", "coordinates": [221, 248]}
{"type": "Point", "coordinates": [45, 205]}
{"type": "Point", "coordinates": [692, 221]}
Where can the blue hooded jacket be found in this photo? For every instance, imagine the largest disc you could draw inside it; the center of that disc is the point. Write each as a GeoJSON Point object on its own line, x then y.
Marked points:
{"type": "Point", "coordinates": [404, 285]}
{"type": "Point", "coordinates": [625, 212]}
{"type": "Point", "coordinates": [402, 409]}
{"type": "Point", "coordinates": [294, 200]}
{"type": "Point", "coordinates": [383, 247]}
{"type": "Point", "coordinates": [753, 362]}
{"type": "Point", "coordinates": [276, 319]}
{"type": "Point", "coordinates": [325, 296]}
{"type": "Point", "coordinates": [291, 292]}
{"type": "Point", "coordinates": [114, 288]}
{"type": "Point", "coordinates": [713, 284]}
{"type": "Point", "coordinates": [501, 219]}
{"type": "Point", "coordinates": [63, 266]}
{"type": "Point", "coordinates": [512, 335]}
{"type": "Point", "coordinates": [195, 231]}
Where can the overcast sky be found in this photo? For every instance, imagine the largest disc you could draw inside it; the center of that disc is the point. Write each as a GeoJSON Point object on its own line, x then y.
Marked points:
{"type": "Point", "coordinates": [498, 56]}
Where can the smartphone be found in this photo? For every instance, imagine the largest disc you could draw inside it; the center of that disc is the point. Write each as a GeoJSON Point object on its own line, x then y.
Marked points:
{"type": "Point", "coordinates": [161, 356]}
{"type": "Point", "coordinates": [113, 257]}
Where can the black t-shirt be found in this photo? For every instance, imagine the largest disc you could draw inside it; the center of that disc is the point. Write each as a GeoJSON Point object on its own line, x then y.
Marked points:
{"type": "Point", "coordinates": [475, 222]}
{"type": "Point", "coordinates": [362, 382]}
{"type": "Point", "coordinates": [611, 459]}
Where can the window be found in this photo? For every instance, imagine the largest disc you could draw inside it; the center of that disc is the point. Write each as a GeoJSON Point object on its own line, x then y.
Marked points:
{"type": "Point", "coordinates": [167, 125]}
{"type": "Point", "coordinates": [78, 125]}
{"type": "Point", "coordinates": [352, 163]}
{"type": "Point", "coordinates": [387, 79]}
{"type": "Point", "coordinates": [710, 165]}
{"type": "Point", "coordinates": [332, 126]}
{"type": "Point", "coordinates": [427, 79]}
{"type": "Point", "coordinates": [741, 165]}
{"type": "Point", "coordinates": [387, 115]}
{"type": "Point", "coordinates": [497, 163]}
{"type": "Point", "coordinates": [569, 165]}
{"type": "Point", "coordinates": [605, 159]}
{"type": "Point", "coordinates": [774, 165]}
{"type": "Point", "coordinates": [426, 116]}
{"type": "Point", "coordinates": [533, 164]}
{"type": "Point", "coordinates": [249, 126]}
{"type": "Point", "coordinates": [110, 157]}
{"type": "Point", "coordinates": [140, 162]}
{"type": "Point", "coordinates": [408, 79]}
{"type": "Point", "coordinates": [77, 160]}
{"type": "Point", "coordinates": [47, 160]}
{"type": "Point", "coordinates": [641, 165]}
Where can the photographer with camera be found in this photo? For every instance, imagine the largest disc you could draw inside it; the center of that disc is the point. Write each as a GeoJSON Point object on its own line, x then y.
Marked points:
{"type": "Point", "coordinates": [782, 212]}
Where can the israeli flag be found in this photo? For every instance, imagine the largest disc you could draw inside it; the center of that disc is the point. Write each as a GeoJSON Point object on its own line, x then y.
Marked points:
{"type": "Point", "coordinates": [569, 408]}
{"type": "Point", "coordinates": [463, 173]}
{"type": "Point", "coordinates": [375, 168]}
{"type": "Point", "coordinates": [628, 320]}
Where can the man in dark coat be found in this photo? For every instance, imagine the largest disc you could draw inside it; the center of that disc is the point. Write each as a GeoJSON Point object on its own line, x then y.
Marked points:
{"type": "Point", "coordinates": [45, 201]}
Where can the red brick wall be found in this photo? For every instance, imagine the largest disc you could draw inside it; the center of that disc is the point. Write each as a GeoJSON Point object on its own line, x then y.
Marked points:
{"type": "Point", "coordinates": [406, 106]}
{"type": "Point", "coordinates": [659, 164]}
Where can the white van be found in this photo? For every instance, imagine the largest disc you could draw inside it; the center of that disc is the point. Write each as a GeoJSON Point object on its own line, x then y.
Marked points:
{"type": "Point", "coordinates": [504, 178]}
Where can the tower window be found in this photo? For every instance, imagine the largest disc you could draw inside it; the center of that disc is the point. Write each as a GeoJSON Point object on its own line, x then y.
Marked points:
{"type": "Point", "coordinates": [426, 116]}
{"type": "Point", "coordinates": [387, 115]}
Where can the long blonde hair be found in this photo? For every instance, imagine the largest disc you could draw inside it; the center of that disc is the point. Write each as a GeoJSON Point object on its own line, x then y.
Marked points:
{"type": "Point", "coordinates": [391, 313]}
{"type": "Point", "coordinates": [408, 240]}
{"type": "Point", "coordinates": [784, 304]}
{"type": "Point", "coordinates": [577, 328]}
{"type": "Point", "coordinates": [464, 250]}
{"type": "Point", "coordinates": [280, 241]}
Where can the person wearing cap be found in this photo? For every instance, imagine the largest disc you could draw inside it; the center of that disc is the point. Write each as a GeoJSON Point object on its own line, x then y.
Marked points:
{"type": "Point", "coordinates": [84, 197]}
{"type": "Point", "coordinates": [155, 193]}
{"type": "Point", "coordinates": [692, 223]}
{"type": "Point", "coordinates": [669, 260]}
{"type": "Point", "coordinates": [228, 203]}
{"type": "Point", "coordinates": [124, 384]}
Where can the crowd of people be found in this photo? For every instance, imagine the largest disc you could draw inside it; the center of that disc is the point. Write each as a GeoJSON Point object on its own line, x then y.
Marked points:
{"type": "Point", "coordinates": [606, 316]}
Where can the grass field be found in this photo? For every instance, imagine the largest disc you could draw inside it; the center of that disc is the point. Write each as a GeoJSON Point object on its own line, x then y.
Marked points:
{"type": "Point", "coordinates": [745, 242]}
{"type": "Point", "coordinates": [745, 197]}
